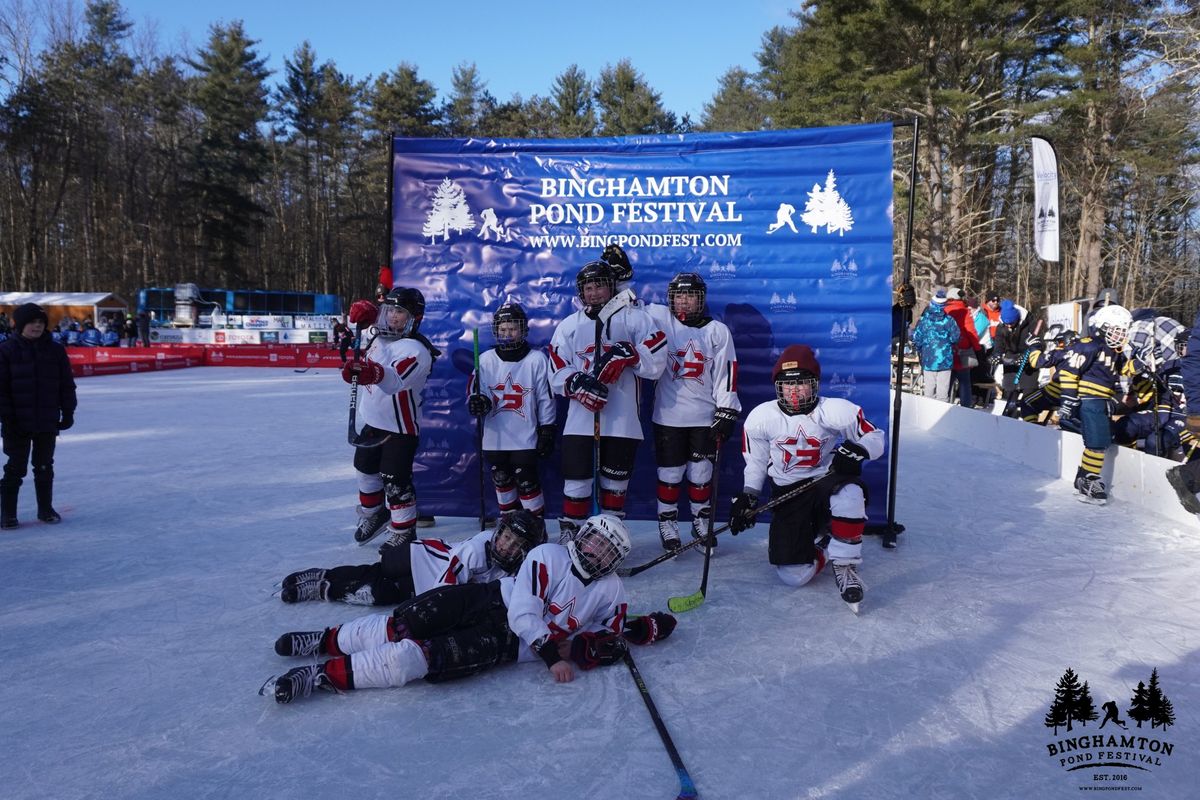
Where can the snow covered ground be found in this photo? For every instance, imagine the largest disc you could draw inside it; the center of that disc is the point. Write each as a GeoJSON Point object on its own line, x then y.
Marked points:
{"type": "Point", "coordinates": [134, 637]}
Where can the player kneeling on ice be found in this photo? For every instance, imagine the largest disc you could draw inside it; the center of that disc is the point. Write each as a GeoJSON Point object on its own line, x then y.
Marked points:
{"type": "Point", "coordinates": [805, 437]}
{"type": "Point", "coordinates": [512, 395]}
{"type": "Point", "coordinates": [393, 373]}
{"type": "Point", "coordinates": [565, 605]}
{"type": "Point", "coordinates": [407, 571]}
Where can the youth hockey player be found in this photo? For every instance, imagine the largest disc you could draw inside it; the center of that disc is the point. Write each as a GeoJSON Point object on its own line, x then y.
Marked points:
{"type": "Point", "coordinates": [393, 374]}
{"type": "Point", "coordinates": [517, 410]}
{"type": "Point", "coordinates": [695, 403]}
{"type": "Point", "coordinates": [632, 348]}
{"type": "Point", "coordinates": [803, 435]}
{"type": "Point", "coordinates": [565, 602]}
{"type": "Point", "coordinates": [1098, 360]}
{"type": "Point", "coordinates": [405, 572]}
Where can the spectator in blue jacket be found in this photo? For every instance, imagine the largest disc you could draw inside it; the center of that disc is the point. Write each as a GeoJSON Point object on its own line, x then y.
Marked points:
{"type": "Point", "coordinates": [37, 400]}
{"type": "Point", "coordinates": [935, 338]}
{"type": "Point", "coordinates": [1185, 479]}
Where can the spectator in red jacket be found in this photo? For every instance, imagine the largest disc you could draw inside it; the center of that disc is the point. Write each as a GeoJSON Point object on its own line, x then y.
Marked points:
{"type": "Point", "coordinates": [966, 354]}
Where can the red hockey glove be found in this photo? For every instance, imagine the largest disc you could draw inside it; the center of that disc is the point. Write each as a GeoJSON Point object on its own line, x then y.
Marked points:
{"type": "Point", "coordinates": [363, 312]}
{"type": "Point", "coordinates": [367, 370]}
{"type": "Point", "coordinates": [651, 628]}
{"type": "Point", "coordinates": [587, 391]}
{"type": "Point", "coordinates": [848, 458]}
{"type": "Point", "coordinates": [615, 360]}
{"type": "Point", "coordinates": [589, 650]}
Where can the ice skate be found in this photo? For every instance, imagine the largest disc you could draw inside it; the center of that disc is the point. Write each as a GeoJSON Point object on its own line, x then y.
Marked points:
{"type": "Point", "coordinates": [1179, 482]}
{"type": "Point", "coordinates": [668, 530]}
{"type": "Point", "coordinates": [371, 523]}
{"type": "Point", "coordinates": [305, 591]}
{"type": "Point", "coordinates": [700, 527]}
{"type": "Point", "coordinates": [1091, 489]}
{"type": "Point", "coordinates": [399, 538]}
{"type": "Point", "coordinates": [849, 584]}
{"type": "Point", "coordinates": [299, 682]}
{"type": "Point", "coordinates": [300, 643]}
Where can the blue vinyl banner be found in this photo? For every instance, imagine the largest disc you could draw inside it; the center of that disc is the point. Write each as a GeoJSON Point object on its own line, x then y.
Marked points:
{"type": "Point", "coordinates": [792, 230]}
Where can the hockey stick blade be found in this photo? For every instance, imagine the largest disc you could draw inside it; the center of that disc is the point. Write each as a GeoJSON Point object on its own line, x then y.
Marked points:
{"type": "Point", "coordinates": [685, 602]}
{"type": "Point", "coordinates": [687, 789]}
{"type": "Point", "coordinates": [373, 439]}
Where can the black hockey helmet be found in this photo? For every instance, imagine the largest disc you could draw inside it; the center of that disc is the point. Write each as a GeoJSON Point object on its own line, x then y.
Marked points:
{"type": "Point", "coordinates": [688, 284]}
{"type": "Point", "coordinates": [408, 299]}
{"type": "Point", "coordinates": [615, 257]}
{"type": "Point", "coordinates": [517, 532]}
{"type": "Point", "coordinates": [595, 272]}
{"type": "Point", "coordinates": [797, 376]}
{"type": "Point", "coordinates": [510, 313]}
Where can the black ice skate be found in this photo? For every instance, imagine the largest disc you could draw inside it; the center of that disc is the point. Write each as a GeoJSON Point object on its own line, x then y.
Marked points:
{"type": "Point", "coordinates": [400, 537]}
{"type": "Point", "coordinates": [299, 682]}
{"type": "Point", "coordinates": [700, 527]}
{"type": "Point", "coordinates": [1183, 489]}
{"type": "Point", "coordinates": [304, 591]}
{"type": "Point", "coordinates": [301, 643]}
{"type": "Point", "coordinates": [1091, 489]}
{"type": "Point", "coordinates": [849, 584]}
{"type": "Point", "coordinates": [668, 531]}
{"type": "Point", "coordinates": [371, 523]}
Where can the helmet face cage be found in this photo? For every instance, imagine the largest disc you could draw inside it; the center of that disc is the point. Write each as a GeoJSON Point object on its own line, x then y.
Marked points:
{"type": "Point", "coordinates": [394, 320]}
{"type": "Point", "coordinates": [1115, 336]}
{"type": "Point", "coordinates": [691, 290]}
{"type": "Point", "coordinates": [594, 276]}
{"type": "Point", "coordinates": [797, 391]}
{"type": "Point", "coordinates": [1113, 321]}
{"type": "Point", "coordinates": [516, 534]}
{"type": "Point", "coordinates": [510, 327]}
{"type": "Point", "coordinates": [600, 546]}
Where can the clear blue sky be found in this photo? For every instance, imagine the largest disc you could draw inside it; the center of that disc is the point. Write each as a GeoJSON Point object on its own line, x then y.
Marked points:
{"type": "Point", "coordinates": [681, 47]}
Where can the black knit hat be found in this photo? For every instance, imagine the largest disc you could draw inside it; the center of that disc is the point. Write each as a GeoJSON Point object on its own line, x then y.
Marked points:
{"type": "Point", "coordinates": [26, 314]}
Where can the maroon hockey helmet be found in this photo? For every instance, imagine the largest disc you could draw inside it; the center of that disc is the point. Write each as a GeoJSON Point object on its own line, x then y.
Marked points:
{"type": "Point", "coordinates": [797, 376]}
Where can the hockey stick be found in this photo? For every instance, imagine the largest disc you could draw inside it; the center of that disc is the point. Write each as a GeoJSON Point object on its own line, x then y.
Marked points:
{"type": "Point", "coordinates": [615, 303]}
{"type": "Point", "coordinates": [1010, 402]}
{"type": "Point", "coordinates": [352, 435]}
{"type": "Point", "coordinates": [688, 602]}
{"type": "Point", "coordinates": [301, 371]}
{"type": "Point", "coordinates": [628, 572]}
{"type": "Point", "coordinates": [687, 789]}
{"type": "Point", "coordinates": [479, 430]}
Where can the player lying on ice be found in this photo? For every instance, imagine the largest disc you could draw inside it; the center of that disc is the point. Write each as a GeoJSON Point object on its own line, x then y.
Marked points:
{"type": "Point", "coordinates": [800, 436]}
{"type": "Point", "coordinates": [566, 604]}
{"type": "Point", "coordinates": [406, 571]}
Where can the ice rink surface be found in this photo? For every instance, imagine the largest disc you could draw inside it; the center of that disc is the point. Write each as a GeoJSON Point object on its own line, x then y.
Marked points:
{"type": "Point", "coordinates": [135, 636]}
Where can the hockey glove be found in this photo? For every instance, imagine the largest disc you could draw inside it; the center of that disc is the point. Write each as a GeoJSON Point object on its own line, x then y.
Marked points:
{"type": "Point", "coordinates": [1008, 359]}
{"type": "Point", "coordinates": [363, 312]}
{"type": "Point", "coordinates": [722, 425]}
{"type": "Point", "coordinates": [848, 458]}
{"type": "Point", "coordinates": [740, 515]}
{"type": "Point", "coordinates": [587, 391]}
{"type": "Point", "coordinates": [590, 650]}
{"type": "Point", "coordinates": [995, 361]}
{"type": "Point", "coordinates": [906, 296]}
{"type": "Point", "coordinates": [1068, 408]}
{"type": "Point", "coordinates": [651, 628]}
{"type": "Point", "coordinates": [545, 441]}
{"type": "Point", "coordinates": [615, 360]}
{"type": "Point", "coordinates": [68, 419]}
{"type": "Point", "coordinates": [367, 370]}
{"type": "Point", "coordinates": [478, 405]}
{"type": "Point", "coordinates": [1033, 341]}
{"type": "Point", "coordinates": [615, 257]}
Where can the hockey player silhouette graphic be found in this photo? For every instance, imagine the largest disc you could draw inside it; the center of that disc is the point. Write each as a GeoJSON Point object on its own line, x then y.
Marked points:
{"type": "Point", "coordinates": [1111, 715]}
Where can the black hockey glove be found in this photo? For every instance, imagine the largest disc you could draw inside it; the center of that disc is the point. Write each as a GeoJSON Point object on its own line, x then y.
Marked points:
{"type": "Point", "coordinates": [545, 441]}
{"type": "Point", "coordinates": [479, 405]}
{"type": "Point", "coordinates": [586, 390]}
{"type": "Point", "coordinates": [995, 361]}
{"type": "Point", "coordinates": [722, 425]}
{"type": "Point", "coordinates": [653, 627]}
{"type": "Point", "coordinates": [614, 361]}
{"type": "Point", "coordinates": [740, 516]}
{"type": "Point", "coordinates": [615, 257]}
{"type": "Point", "coordinates": [68, 419]}
{"type": "Point", "coordinates": [589, 650]}
{"type": "Point", "coordinates": [1068, 408]}
{"type": "Point", "coordinates": [906, 296]}
{"type": "Point", "coordinates": [848, 458]}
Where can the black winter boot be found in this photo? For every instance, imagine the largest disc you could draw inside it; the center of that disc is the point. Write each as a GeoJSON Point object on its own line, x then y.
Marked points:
{"type": "Point", "coordinates": [45, 501]}
{"type": "Point", "coordinates": [8, 503]}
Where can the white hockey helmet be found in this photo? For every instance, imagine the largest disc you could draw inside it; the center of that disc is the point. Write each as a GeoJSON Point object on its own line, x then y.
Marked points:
{"type": "Point", "coordinates": [600, 546]}
{"type": "Point", "coordinates": [1113, 321]}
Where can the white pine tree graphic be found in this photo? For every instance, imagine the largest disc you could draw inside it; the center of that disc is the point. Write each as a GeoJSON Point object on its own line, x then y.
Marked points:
{"type": "Point", "coordinates": [825, 206]}
{"type": "Point", "coordinates": [450, 211]}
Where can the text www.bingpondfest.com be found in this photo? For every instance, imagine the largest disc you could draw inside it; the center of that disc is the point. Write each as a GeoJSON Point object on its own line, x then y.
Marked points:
{"type": "Point", "coordinates": [636, 240]}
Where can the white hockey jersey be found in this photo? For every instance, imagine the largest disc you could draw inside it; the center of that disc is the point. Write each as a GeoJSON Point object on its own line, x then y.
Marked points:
{"type": "Point", "coordinates": [521, 399]}
{"type": "Point", "coordinates": [394, 404]}
{"type": "Point", "coordinates": [700, 375]}
{"type": "Point", "coordinates": [572, 349]}
{"type": "Point", "coordinates": [435, 563]}
{"type": "Point", "coordinates": [793, 448]}
{"type": "Point", "coordinates": [546, 598]}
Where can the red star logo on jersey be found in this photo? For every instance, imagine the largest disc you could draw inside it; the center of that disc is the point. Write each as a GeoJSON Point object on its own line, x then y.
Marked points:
{"type": "Point", "coordinates": [556, 630]}
{"type": "Point", "coordinates": [689, 363]}
{"type": "Point", "coordinates": [509, 396]}
{"type": "Point", "coordinates": [799, 450]}
{"type": "Point", "coordinates": [585, 355]}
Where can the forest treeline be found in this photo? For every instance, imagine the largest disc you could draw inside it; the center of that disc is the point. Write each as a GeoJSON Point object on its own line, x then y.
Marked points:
{"type": "Point", "coordinates": [125, 166]}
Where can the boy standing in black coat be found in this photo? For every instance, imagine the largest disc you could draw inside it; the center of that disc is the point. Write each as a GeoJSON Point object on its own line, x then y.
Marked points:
{"type": "Point", "coordinates": [37, 400]}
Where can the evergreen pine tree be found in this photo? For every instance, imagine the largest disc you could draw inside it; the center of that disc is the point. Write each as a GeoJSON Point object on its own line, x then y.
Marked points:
{"type": "Point", "coordinates": [1139, 708]}
{"type": "Point", "coordinates": [1085, 708]}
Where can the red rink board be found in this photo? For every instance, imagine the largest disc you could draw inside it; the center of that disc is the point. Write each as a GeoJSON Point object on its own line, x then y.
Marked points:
{"type": "Point", "coordinates": [86, 361]}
